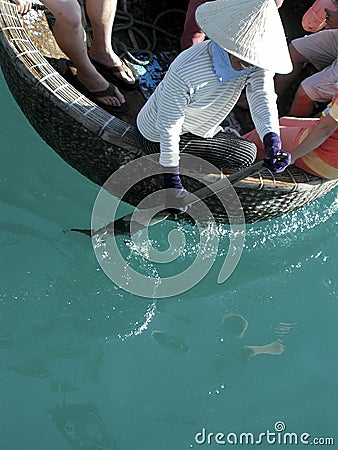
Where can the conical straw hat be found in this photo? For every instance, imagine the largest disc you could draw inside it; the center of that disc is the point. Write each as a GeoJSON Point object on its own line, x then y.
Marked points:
{"type": "Point", "coordinates": [249, 29]}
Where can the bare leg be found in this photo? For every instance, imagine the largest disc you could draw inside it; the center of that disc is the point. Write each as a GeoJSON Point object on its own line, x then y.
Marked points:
{"type": "Point", "coordinates": [101, 14]}
{"type": "Point", "coordinates": [70, 37]}
{"type": "Point", "coordinates": [302, 104]}
{"type": "Point", "coordinates": [283, 82]}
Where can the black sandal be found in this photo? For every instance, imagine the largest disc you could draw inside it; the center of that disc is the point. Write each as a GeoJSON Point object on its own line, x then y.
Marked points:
{"type": "Point", "coordinates": [109, 74]}
{"type": "Point", "coordinates": [95, 97]}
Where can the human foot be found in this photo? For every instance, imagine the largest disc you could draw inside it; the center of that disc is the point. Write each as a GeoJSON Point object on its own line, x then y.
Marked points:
{"type": "Point", "coordinates": [102, 90]}
{"type": "Point", "coordinates": [109, 98]}
{"type": "Point", "coordinates": [114, 70]}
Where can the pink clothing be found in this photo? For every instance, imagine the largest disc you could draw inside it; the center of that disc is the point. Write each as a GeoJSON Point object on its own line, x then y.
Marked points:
{"type": "Point", "coordinates": [291, 131]}
{"type": "Point", "coordinates": [322, 161]}
{"type": "Point", "coordinates": [192, 34]}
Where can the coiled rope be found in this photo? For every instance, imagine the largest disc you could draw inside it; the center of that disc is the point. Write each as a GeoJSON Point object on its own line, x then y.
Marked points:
{"type": "Point", "coordinates": [125, 21]}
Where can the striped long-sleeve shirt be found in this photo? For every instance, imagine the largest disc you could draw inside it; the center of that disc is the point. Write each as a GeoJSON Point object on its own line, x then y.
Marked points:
{"type": "Point", "coordinates": [190, 98]}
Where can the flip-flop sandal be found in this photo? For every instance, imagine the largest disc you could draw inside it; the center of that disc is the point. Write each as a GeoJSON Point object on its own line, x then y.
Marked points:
{"type": "Point", "coordinates": [109, 74]}
{"type": "Point", "coordinates": [95, 97]}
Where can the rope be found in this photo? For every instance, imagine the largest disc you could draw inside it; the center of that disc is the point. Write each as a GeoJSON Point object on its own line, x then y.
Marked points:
{"type": "Point", "coordinates": [140, 56]}
{"type": "Point", "coordinates": [125, 21]}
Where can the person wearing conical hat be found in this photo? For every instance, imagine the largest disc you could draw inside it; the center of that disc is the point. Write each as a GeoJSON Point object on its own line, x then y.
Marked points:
{"type": "Point", "coordinates": [192, 33]}
{"type": "Point", "coordinates": [246, 46]}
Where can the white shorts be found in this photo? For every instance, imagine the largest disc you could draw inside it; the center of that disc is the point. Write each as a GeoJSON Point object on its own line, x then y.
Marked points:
{"type": "Point", "coordinates": [321, 50]}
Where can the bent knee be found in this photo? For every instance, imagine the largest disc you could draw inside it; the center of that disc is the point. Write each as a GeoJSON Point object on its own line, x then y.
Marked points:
{"type": "Point", "coordinates": [296, 57]}
{"type": "Point", "coordinates": [72, 22]}
{"type": "Point", "coordinates": [67, 13]}
{"type": "Point", "coordinates": [301, 94]}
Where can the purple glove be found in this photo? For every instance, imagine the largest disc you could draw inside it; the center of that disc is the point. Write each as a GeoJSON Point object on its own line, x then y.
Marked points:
{"type": "Point", "coordinates": [176, 193]}
{"type": "Point", "coordinates": [277, 160]}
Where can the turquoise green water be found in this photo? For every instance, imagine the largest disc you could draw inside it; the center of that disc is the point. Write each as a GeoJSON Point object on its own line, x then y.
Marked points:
{"type": "Point", "coordinates": [85, 365]}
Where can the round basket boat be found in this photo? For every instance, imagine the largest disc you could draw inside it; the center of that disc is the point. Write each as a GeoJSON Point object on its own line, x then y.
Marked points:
{"type": "Point", "coordinates": [96, 143]}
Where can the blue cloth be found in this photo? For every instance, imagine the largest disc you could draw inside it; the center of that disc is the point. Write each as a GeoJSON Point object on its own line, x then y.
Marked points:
{"type": "Point", "coordinates": [222, 65]}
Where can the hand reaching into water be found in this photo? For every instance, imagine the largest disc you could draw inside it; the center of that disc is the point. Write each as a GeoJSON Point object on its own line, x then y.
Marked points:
{"type": "Point", "coordinates": [175, 192]}
{"type": "Point", "coordinates": [23, 5]}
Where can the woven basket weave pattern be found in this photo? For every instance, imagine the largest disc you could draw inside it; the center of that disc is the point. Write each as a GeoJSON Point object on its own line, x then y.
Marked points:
{"type": "Point", "coordinates": [96, 144]}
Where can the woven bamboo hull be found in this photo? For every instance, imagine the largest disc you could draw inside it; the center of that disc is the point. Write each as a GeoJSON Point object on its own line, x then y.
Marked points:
{"type": "Point", "coordinates": [96, 144]}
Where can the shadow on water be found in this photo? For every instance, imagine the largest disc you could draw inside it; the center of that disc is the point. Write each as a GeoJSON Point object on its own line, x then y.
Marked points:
{"type": "Point", "coordinates": [58, 331]}
{"type": "Point", "coordinates": [67, 330]}
{"type": "Point", "coordinates": [82, 427]}
{"type": "Point", "coordinates": [271, 248]}
{"type": "Point", "coordinates": [70, 319]}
